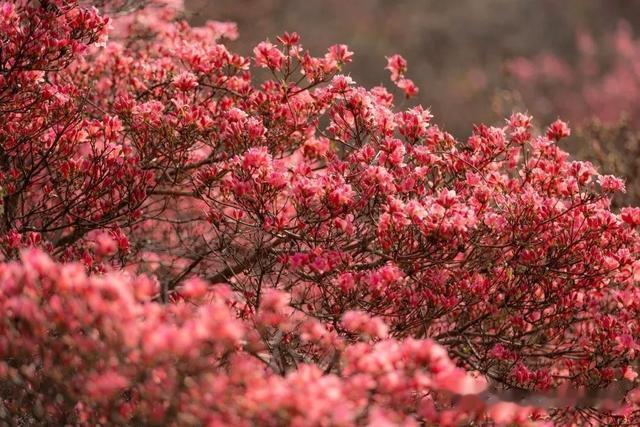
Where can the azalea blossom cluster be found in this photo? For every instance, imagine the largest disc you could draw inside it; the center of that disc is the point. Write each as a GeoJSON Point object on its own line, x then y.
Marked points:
{"type": "Point", "coordinates": [82, 350]}
{"type": "Point", "coordinates": [191, 236]}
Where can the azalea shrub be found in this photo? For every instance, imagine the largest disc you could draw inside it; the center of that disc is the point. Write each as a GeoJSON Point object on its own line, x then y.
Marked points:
{"type": "Point", "coordinates": [195, 237]}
